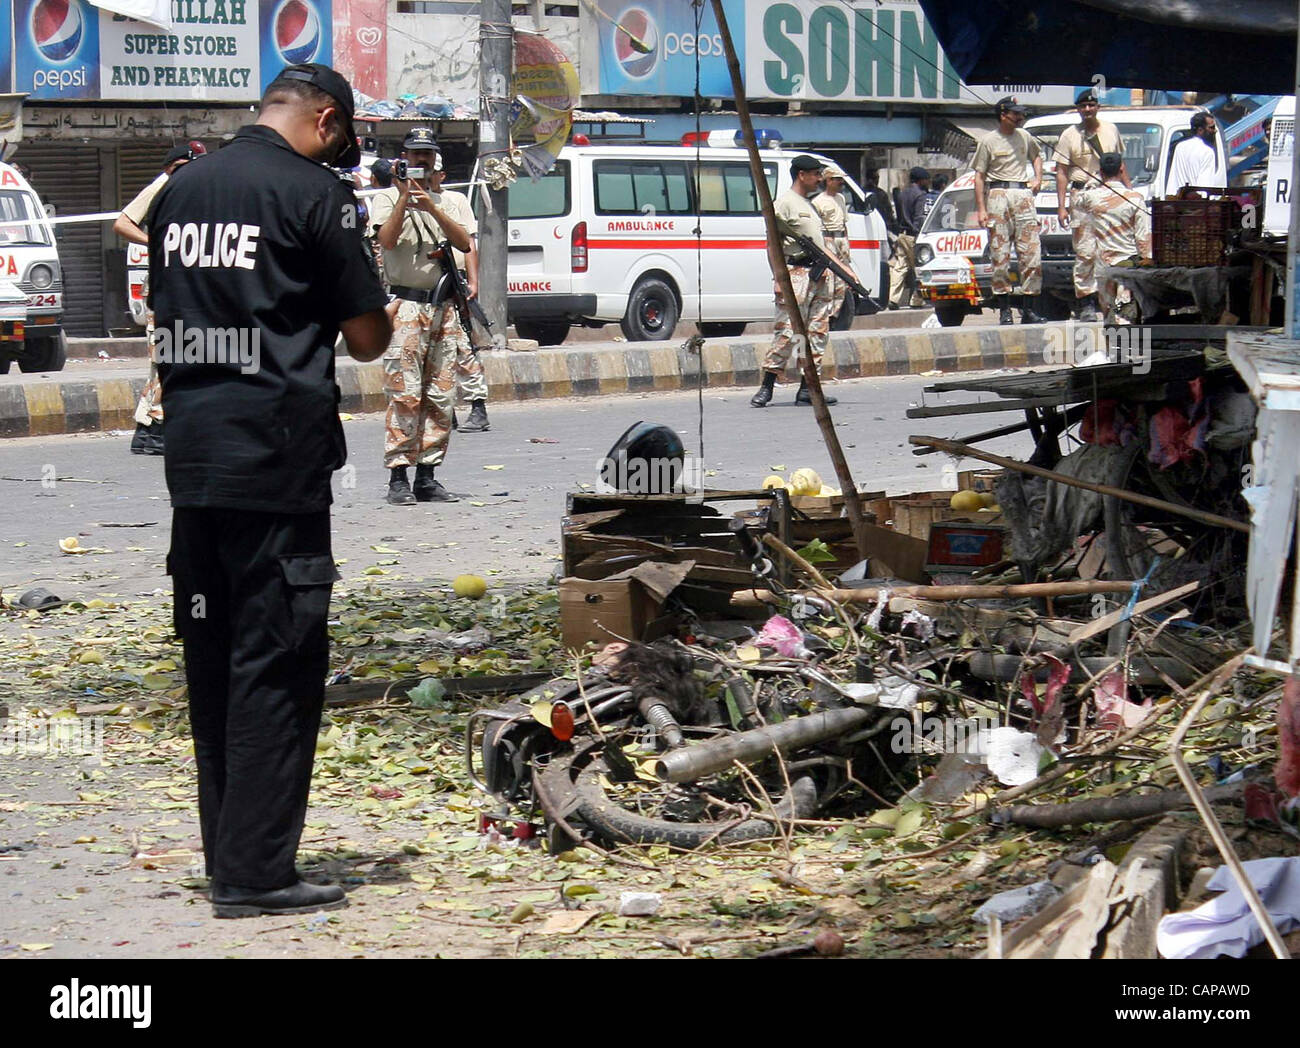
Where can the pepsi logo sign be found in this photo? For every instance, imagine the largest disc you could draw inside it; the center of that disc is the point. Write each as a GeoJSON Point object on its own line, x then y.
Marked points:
{"type": "Point", "coordinates": [57, 28]}
{"type": "Point", "coordinates": [640, 25]}
{"type": "Point", "coordinates": [297, 29]}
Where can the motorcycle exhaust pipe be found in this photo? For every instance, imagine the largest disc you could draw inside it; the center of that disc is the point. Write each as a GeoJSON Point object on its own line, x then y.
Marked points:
{"type": "Point", "coordinates": [749, 747]}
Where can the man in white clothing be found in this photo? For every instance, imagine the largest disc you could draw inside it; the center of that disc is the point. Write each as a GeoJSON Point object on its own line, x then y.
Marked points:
{"type": "Point", "coordinates": [1196, 160]}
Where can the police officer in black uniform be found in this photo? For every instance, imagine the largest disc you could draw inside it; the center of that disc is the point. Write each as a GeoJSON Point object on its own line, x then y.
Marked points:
{"type": "Point", "coordinates": [259, 242]}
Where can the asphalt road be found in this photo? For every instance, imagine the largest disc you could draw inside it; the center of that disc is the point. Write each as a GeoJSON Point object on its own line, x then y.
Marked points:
{"type": "Point", "coordinates": [509, 523]}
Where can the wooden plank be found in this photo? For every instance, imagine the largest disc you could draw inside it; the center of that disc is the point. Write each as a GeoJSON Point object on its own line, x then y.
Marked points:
{"type": "Point", "coordinates": [1105, 622]}
{"type": "Point", "coordinates": [983, 407]}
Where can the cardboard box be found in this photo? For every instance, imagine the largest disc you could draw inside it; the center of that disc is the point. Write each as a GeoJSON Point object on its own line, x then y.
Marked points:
{"type": "Point", "coordinates": [626, 606]}
{"type": "Point", "coordinates": [604, 611]}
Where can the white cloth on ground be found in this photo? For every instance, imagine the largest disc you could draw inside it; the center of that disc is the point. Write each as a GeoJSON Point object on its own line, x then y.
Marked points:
{"type": "Point", "coordinates": [1224, 924]}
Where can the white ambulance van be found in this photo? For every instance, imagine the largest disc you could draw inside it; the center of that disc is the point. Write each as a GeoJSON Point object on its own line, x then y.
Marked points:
{"type": "Point", "coordinates": [609, 235]}
{"type": "Point", "coordinates": [953, 267]}
{"type": "Point", "coordinates": [31, 281]}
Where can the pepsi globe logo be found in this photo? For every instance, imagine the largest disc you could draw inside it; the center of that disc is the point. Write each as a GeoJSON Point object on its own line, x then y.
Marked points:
{"type": "Point", "coordinates": [57, 27]}
{"type": "Point", "coordinates": [640, 25]}
{"type": "Point", "coordinates": [297, 29]}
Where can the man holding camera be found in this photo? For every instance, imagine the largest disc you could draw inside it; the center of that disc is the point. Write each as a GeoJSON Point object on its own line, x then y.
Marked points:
{"type": "Point", "coordinates": [411, 219]}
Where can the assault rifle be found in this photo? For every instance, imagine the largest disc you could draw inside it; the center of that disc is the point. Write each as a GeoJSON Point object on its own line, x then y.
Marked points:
{"type": "Point", "coordinates": [453, 286]}
{"type": "Point", "coordinates": [822, 260]}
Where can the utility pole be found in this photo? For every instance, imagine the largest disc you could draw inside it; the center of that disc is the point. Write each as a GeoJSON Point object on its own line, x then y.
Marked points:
{"type": "Point", "coordinates": [496, 50]}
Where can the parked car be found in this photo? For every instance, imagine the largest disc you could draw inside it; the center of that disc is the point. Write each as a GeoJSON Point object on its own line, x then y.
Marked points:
{"type": "Point", "coordinates": [953, 268]}
{"type": "Point", "coordinates": [31, 281]}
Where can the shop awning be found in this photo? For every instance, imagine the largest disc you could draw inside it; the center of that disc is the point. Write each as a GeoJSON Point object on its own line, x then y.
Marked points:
{"type": "Point", "coordinates": [1192, 45]}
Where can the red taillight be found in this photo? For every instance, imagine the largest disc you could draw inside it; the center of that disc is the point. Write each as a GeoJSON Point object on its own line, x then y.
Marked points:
{"type": "Point", "coordinates": [578, 252]}
{"type": "Point", "coordinates": [137, 291]}
{"type": "Point", "coordinates": [562, 722]}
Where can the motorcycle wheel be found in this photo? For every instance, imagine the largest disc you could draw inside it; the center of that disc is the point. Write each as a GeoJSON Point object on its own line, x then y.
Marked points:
{"type": "Point", "coordinates": [631, 813]}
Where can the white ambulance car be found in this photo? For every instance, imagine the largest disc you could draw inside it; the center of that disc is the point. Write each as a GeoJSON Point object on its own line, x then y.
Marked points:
{"type": "Point", "coordinates": [31, 281]}
{"type": "Point", "coordinates": [953, 268]}
{"type": "Point", "coordinates": [609, 235]}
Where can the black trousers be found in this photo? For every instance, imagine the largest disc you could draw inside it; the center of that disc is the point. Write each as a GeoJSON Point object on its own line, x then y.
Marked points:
{"type": "Point", "coordinates": [252, 599]}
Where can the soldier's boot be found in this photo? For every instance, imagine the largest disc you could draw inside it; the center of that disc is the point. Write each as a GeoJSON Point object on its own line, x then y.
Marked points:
{"type": "Point", "coordinates": [399, 488]}
{"type": "Point", "coordinates": [764, 395]}
{"type": "Point", "coordinates": [1088, 309]}
{"type": "Point", "coordinates": [478, 420]}
{"type": "Point", "coordinates": [1004, 310]}
{"type": "Point", "coordinates": [427, 489]}
{"type": "Point", "coordinates": [1028, 315]}
{"type": "Point", "coordinates": [804, 397]}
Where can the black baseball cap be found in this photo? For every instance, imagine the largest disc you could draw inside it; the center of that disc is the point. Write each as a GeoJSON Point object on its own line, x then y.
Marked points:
{"type": "Point", "coordinates": [1008, 105]}
{"type": "Point", "coordinates": [918, 174]}
{"type": "Point", "coordinates": [420, 138]}
{"type": "Point", "coordinates": [337, 87]}
{"type": "Point", "coordinates": [804, 162]}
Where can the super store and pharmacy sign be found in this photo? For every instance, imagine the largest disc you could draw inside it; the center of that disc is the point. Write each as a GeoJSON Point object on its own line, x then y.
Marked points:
{"type": "Point", "coordinates": [218, 50]}
{"type": "Point", "coordinates": [841, 50]}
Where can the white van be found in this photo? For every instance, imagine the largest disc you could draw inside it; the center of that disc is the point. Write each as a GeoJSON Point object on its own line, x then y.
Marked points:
{"type": "Point", "coordinates": [608, 235]}
{"type": "Point", "coordinates": [31, 281]}
{"type": "Point", "coordinates": [953, 268]}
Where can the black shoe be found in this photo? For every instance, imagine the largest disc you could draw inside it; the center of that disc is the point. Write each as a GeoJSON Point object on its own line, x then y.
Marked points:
{"type": "Point", "coordinates": [478, 420]}
{"type": "Point", "coordinates": [427, 489]}
{"type": "Point", "coordinates": [804, 397]}
{"type": "Point", "coordinates": [147, 440]}
{"type": "Point", "coordinates": [399, 488]}
{"type": "Point", "coordinates": [1088, 309]}
{"type": "Point", "coordinates": [763, 397]}
{"type": "Point", "coordinates": [297, 898]}
{"type": "Point", "coordinates": [1028, 316]}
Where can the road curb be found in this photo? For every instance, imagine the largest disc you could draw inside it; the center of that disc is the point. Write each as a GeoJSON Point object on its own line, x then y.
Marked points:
{"type": "Point", "coordinates": [41, 406]}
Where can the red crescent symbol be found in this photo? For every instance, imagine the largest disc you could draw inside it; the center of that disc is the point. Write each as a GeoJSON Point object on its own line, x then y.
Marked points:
{"type": "Point", "coordinates": [558, 233]}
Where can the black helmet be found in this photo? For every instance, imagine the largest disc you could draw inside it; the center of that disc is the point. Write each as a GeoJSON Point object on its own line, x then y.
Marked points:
{"type": "Point", "coordinates": [648, 459]}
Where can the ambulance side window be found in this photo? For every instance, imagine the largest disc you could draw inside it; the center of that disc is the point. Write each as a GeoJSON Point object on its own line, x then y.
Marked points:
{"type": "Point", "coordinates": [629, 187]}
{"type": "Point", "coordinates": [727, 188]}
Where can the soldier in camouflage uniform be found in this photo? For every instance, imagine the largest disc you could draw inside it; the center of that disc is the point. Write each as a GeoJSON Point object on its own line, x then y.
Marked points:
{"type": "Point", "coordinates": [834, 213]}
{"type": "Point", "coordinates": [795, 214]}
{"type": "Point", "coordinates": [1004, 202]}
{"type": "Point", "coordinates": [419, 367]}
{"type": "Point", "coordinates": [1122, 227]}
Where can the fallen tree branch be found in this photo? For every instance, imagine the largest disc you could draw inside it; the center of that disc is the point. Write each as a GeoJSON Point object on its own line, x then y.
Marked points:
{"type": "Point", "coordinates": [1108, 809]}
{"type": "Point", "coordinates": [871, 594]}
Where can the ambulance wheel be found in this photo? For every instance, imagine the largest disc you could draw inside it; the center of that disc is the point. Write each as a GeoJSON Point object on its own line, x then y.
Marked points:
{"type": "Point", "coordinates": [543, 332]}
{"type": "Point", "coordinates": [651, 312]}
{"type": "Point", "coordinates": [843, 320]}
{"type": "Point", "coordinates": [4, 365]}
{"type": "Point", "coordinates": [721, 328]}
{"type": "Point", "coordinates": [45, 354]}
{"type": "Point", "coordinates": [950, 314]}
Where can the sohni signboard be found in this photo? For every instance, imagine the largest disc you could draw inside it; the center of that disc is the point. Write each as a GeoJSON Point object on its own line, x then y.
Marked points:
{"type": "Point", "coordinates": [217, 50]}
{"type": "Point", "coordinates": [828, 50]}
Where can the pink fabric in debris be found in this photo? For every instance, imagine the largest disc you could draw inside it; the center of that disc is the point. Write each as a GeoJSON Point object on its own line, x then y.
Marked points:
{"type": "Point", "coordinates": [1175, 438]}
{"type": "Point", "coordinates": [1110, 700]}
{"type": "Point", "coordinates": [782, 635]}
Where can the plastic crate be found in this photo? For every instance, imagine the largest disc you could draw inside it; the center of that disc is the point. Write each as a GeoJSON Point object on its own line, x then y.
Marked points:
{"type": "Point", "coordinates": [1191, 232]}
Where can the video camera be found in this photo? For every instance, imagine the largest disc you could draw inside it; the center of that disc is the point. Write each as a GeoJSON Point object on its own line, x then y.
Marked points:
{"type": "Point", "coordinates": [403, 172]}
